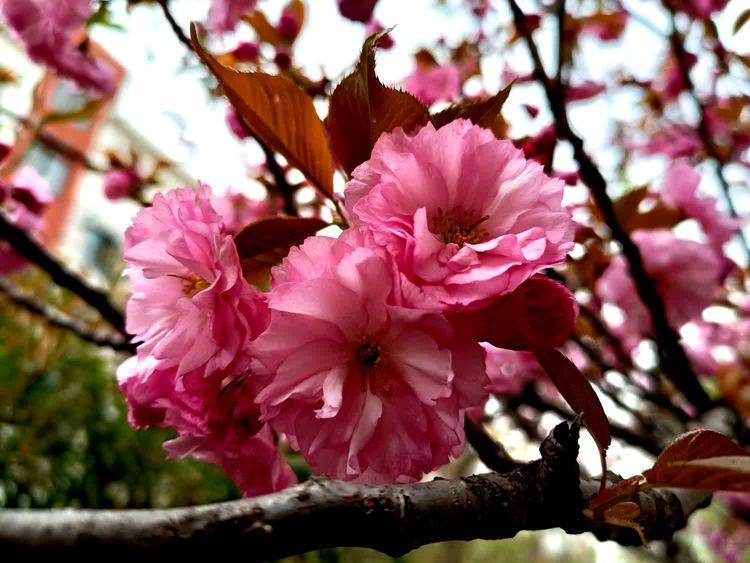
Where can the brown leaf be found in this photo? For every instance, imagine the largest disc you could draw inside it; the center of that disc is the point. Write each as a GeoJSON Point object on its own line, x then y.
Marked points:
{"type": "Point", "coordinates": [425, 59]}
{"type": "Point", "coordinates": [702, 459]}
{"type": "Point", "coordinates": [362, 109]}
{"type": "Point", "coordinates": [279, 113]}
{"type": "Point", "coordinates": [658, 216]}
{"type": "Point", "coordinates": [268, 240]}
{"type": "Point", "coordinates": [619, 492]}
{"type": "Point", "coordinates": [485, 113]}
{"type": "Point", "coordinates": [263, 28]}
{"type": "Point", "coordinates": [577, 391]}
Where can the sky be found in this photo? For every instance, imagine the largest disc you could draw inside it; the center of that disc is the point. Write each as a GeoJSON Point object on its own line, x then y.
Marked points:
{"type": "Point", "coordinates": [167, 101]}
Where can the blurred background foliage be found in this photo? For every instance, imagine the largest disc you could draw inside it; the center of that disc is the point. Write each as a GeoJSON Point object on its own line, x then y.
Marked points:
{"type": "Point", "coordinates": [64, 436]}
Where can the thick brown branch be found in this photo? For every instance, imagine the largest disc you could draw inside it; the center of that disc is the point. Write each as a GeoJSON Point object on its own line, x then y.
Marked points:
{"type": "Point", "coordinates": [61, 320]}
{"type": "Point", "coordinates": [674, 360]}
{"type": "Point", "coordinates": [395, 519]}
{"type": "Point", "coordinates": [26, 247]}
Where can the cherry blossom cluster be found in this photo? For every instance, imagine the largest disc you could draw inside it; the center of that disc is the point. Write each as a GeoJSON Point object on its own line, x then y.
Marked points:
{"type": "Point", "coordinates": [365, 354]}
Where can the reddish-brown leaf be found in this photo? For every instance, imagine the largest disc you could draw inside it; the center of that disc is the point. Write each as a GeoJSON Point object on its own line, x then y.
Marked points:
{"type": "Point", "coordinates": [279, 113]}
{"type": "Point", "coordinates": [425, 59]}
{"type": "Point", "coordinates": [702, 459]}
{"type": "Point", "coordinates": [577, 391]}
{"type": "Point", "coordinates": [263, 28]}
{"type": "Point", "coordinates": [362, 109]}
{"type": "Point", "coordinates": [269, 240]}
{"type": "Point", "coordinates": [485, 113]}
{"type": "Point", "coordinates": [658, 216]}
{"type": "Point", "coordinates": [619, 492]}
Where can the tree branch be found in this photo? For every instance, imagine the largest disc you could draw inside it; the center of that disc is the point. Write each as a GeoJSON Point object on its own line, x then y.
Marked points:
{"type": "Point", "coordinates": [176, 29]}
{"type": "Point", "coordinates": [61, 320]}
{"type": "Point", "coordinates": [491, 452]}
{"type": "Point", "coordinates": [279, 178]}
{"type": "Point", "coordinates": [674, 360]}
{"type": "Point", "coordinates": [676, 42]}
{"type": "Point", "coordinates": [27, 248]}
{"type": "Point", "coordinates": [547, 493]}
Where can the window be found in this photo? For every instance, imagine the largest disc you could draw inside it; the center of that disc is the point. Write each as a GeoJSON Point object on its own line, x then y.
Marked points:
{"type": "Point", "coordinates": [50, 165]}
{"type": "Point", "coordinates": [101, 250]}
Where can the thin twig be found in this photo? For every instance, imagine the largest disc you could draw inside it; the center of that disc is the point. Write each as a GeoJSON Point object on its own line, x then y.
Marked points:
{"type": "Point", "coordinates": [279, 177]}
{"type": "Point", "coordinates": [676, 42]}
{"type": "Point", "coordinates": [59, 319]}
{"type": "Point", "coordinates": [53, 143]}
{"type": "Point", "coordinates": [26, 247]}
{"type": "Point", "coordinates": [674, 360]}
{"type": "Point", "coordinates": [176, 29]}
{"type": "Point", "coordinates": [491, 452]}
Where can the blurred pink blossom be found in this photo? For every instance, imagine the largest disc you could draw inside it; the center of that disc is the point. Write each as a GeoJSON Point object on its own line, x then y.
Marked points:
{"type": "Point", "coordinates": [434, 84]}
{"type": "Point", "coordinates": [224, 14]}
{"type": "Point", "coordinates": [680, 190]}
{"type": "Point", "coordinates": [23, 201]}
{"type": "Point", "coordinates": [357, 10]}
{"type": "Point", "coordinates": [120, 183]}
{"type": "Point", "coordinates": [47, 29]}
{"type": "Point", "coordinates": [686, 275]}
{"type": "Point", "coordinates": [238, 210]}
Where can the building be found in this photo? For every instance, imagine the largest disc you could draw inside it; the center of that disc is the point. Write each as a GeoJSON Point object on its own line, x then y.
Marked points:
{"type": "Point", "coordinates": [82, 226]}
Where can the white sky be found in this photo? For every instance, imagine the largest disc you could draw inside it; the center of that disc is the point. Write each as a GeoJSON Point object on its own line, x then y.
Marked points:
{"type": "Point", "coordinates": [169, 104]}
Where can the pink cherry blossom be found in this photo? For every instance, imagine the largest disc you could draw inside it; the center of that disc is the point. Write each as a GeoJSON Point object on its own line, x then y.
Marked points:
{"type": "Point", "coordinates": [539, 147]}
{"type": "Point", "coordinates": [46, 30]}
{"type": "Point", "coordinates": [366, 389]}
{"type": "Point", "coordinates": [357, 10]}
{"type": "Point", "coordinates": [23, 201]}
{"type": "Point", "coordinates": [190, 306]}
{"type": "Point", "coordinates": [434, 84]}
{"type": "Point", "coordinates": [236, 125]}
{"type": "Point", "coordinates": [238, 210]}
{"type": "Point", "coordinates": [120, 183]}
{"type": "Point", "coordinates": [583, 91]}
{"type": "Point", "coordinates": [510, 371]}
{"type": "Point", "coordinates": [699, 9]}
{"type": "Point", "coordinates": [386, 41]}
{"type": "Point", "coordinates": [670, 83]}
{"type": "Point", "coordinates": [224, 14]}
{"type": "Point", "coordinates": [247, 51]}
{"type": "Point", "coordinates": [685, 273]}
{"type": "Point", "coordinates": [673, 141]}
{"type": "Point", "coordinates": [288, 26]}
{"type": "Point", "coordinates": [216, 421]}
{"type": "Point", "coordinates": [465, 215]}
{"type": "Point", "coordinates": [680, 190]}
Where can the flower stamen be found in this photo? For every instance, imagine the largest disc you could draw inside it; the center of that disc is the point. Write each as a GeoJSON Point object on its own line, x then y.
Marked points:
{"type": "Point", "coordinates": [459, 226]}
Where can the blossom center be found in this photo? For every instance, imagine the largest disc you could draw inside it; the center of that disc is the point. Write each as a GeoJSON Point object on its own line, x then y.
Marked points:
{"type": "Point", "coordinates": [193, 284]}
{"type": "Point", "coordinates": [368, 355]}
{"type": "Point", "coordinates": [373, 377]}
{"type": "Point", "coordinates": [459, 226]}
